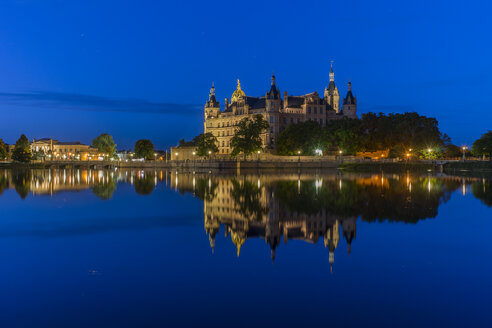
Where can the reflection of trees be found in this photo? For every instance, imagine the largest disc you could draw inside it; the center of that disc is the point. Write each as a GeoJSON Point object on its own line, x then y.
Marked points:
{"type": "Point", "coordinates": [104, 189]}
{"type": "Point", "coordinates": [206, 189]}
{"type": "Point", "coordinates": [144, 185]}
{"type": "Point", "coordinates": [395, 200]}
{"type": "Point", "coordinates": [3, 184]}
{"type": "Point", "coordinates": [247, 197]}
{"type": "Point", "coordinates": [21, 178]}
{"type": "Point", "coordinates": [483, 191]}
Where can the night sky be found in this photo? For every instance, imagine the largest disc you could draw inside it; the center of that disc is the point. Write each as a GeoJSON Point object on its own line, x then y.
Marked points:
{"type": "Point", "coordinates": [141, 69]}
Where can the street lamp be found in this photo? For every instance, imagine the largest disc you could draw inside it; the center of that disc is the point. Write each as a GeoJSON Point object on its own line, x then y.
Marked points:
{"type": "Point", "coordinates": [464, 148]}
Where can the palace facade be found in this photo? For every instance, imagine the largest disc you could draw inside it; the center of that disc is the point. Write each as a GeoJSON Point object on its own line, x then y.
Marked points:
{"type": "Point", "coordinates": [278, 111]}
{"type": "Point", "coordinates": [63, 150]}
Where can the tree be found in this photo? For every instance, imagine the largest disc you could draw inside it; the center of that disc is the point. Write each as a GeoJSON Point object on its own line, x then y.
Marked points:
{"type": "Point", "coordinates": [305, 137]}
{"type": "Point", "coordinates": [206, 144]}
{"type": "Point", "coordinates": [483, 146]}
{"type": "Point", "coordinates": [105, 144]}
{"type": "Point", "coordinates": [247, 138]}
{"type": "Point", "coordinates": [452, 151]}
{"type": "Point", "coordinates": [22, 150]}
{"type": "Point", "coordinates": [3, 151]}
{"type": "Point", "coordinates": [345, 134]}
{"type": "Point", "coordinates": [144, 148]}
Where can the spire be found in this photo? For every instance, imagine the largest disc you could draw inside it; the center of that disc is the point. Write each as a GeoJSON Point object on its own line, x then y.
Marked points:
{"type": "Point", "coordinates": [212, 92]}
{"type": "Point", "coordinates": [349, 86]}
{"type": "Point", "coordinates": [273, 79]}
{"type": "Point", "coordinates": [238, 85]}
{"type": "Point", "coordinates": [332, 74]}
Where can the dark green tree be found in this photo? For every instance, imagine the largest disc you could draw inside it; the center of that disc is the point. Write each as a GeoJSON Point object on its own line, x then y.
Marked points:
{"type": "Point", "coordinates": [483, 146]}
{"type": "Point", "coordinates": [144, 148]}
{"type": "Point", "coordinates": [105, 144]}
{"type": "Point", "coordinates": [305, 137]}
{"type": "Point", "coordinates": [345, 135]}
{"type": "Point", "coordinates": [22, 150]}
{"type": "Point", "coordinates": [3, 151]}
{"type": "Point", "coordinates": [247, 138]}
{"type": "Point", "coordinates": [451, 151]}
{"type": "Point", "coordinates": [206, 144]}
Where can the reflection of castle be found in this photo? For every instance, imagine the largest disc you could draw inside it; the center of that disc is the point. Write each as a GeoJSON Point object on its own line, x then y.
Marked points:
{"type": "Point", "coordinates": [247, 208]}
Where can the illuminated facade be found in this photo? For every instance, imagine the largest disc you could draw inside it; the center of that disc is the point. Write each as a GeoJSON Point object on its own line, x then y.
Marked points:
{"type": "Point", "coordinates": [277, 111]}
{"type": "Point", "coordinates": [55, 149]}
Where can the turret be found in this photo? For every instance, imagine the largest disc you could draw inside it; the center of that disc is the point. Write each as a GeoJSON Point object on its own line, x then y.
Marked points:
{"type": "Point", "coordinates": [350, 103]}
{"type": "Point", "coordinates": [273, 97]}
{"type": "Point", "coordinates": [332, 97]}
{"type": "Point", "coordinates": [212, 107]}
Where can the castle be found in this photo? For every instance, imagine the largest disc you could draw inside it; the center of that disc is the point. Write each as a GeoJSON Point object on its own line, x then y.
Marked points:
{"type": "Point", "coordinates": [276, 111]}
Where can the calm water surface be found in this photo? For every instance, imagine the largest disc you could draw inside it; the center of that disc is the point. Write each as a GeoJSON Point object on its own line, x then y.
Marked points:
{"type": "Point", "coordinates": [159, 249]}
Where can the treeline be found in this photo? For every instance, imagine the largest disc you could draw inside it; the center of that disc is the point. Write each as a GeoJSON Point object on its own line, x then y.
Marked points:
{"type": "Point", "coordinates": [400, 133]}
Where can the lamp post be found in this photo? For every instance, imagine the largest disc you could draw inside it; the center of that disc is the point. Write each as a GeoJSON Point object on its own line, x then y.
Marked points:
{"type": "Point", "coordinates": [209, 154]}
{"type": "Point", "coordinates": [464, 148]}
{"type": "Point", "coordinates": [298, 155]}
{"type": "Point", "coordinates": [194, 153]}
{"type": "Point", "coordinates": [340, 152]}
{"type": "Point", "coordinates": [259, 155]}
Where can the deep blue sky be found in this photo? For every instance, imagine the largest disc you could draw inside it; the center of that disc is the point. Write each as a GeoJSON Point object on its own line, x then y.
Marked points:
{"type": "Point", "coordinates": [135, 69]}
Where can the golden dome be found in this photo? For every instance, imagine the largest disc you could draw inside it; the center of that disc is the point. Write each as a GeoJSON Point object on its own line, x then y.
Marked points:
{"type": "Point", "coordinates": [238, 93]}
{"type": "Point", "coordinates": [238, 240]}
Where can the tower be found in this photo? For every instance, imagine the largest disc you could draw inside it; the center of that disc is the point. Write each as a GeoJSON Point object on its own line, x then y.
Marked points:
{"type": "Point", "coordinates": [350, 103]}
{"type": "Point", "coordinates": [273, 104]}
{"type": "Point", "coordinates": [212, 107]}
{"type": "Point", "coordinates": [332, 97]}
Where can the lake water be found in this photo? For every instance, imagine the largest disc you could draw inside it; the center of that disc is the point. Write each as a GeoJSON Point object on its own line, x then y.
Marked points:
{"type": "Point", "coordinates": [164, 249]}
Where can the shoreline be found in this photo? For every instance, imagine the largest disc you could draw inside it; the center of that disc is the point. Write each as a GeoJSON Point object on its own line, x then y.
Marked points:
{"type": "Point", "coordinates": [448, 167]}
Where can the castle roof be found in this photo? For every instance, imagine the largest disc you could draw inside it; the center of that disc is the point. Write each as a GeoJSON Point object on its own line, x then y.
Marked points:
{"type": "Point", "coordinates": [295, 101]}
{"type": "Point", "coordinates": [349, 99]}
